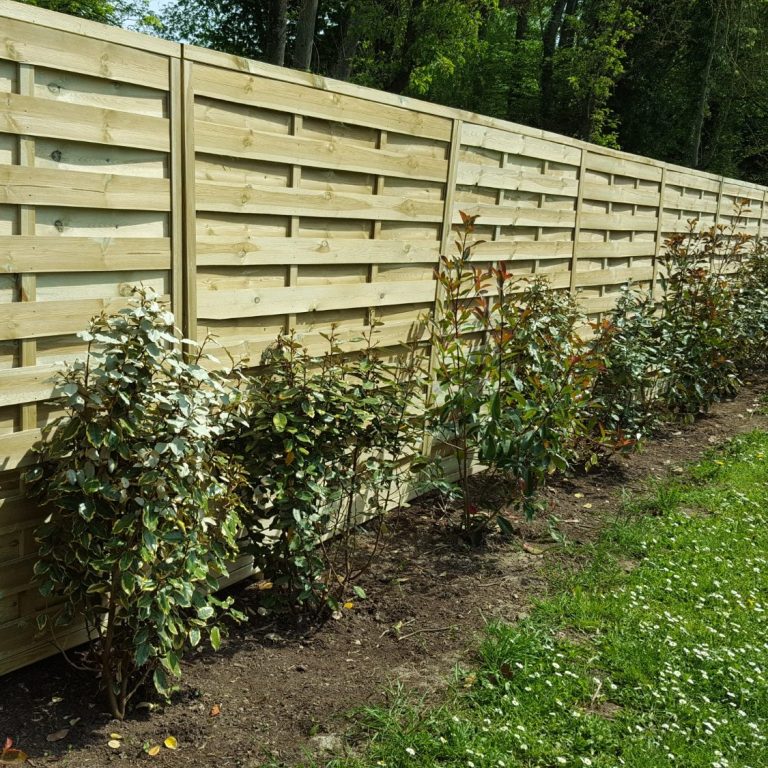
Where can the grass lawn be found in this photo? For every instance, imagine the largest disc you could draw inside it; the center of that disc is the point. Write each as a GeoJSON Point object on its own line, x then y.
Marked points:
{"type": "Point", "coordinates": [654, 655]}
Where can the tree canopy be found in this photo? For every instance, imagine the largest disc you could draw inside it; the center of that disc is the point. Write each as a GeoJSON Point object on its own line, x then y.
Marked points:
{"type": "Point", "coordinates": [682, 80]}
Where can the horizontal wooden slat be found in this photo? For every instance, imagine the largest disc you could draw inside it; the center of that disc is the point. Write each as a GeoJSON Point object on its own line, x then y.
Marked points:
{"type": "Point", "coordinates": [20, 253]}
{"type": "Point", "coordinates": [674, 200]}
{"type": "Point", "coordinates": [282, 201]}
{"type": "Point", "coordinates": [221, 251]}
{"type": "Point", "coordinates": [17, 512]}
{"type": "Point", "coordinates": [223, 305]}
{"type": "Point", "coordinates": [15, 451]}
{"type": "Point", "coordinates": [517, 144]}
{"type": "Point", "coordinates": [618, 221]}
{"type": "Point", "coordinates": [44, 186]}
{"type": "Point", "coordinates": [616, 193]}
{"type": "Point", "coordinates": [25, 644]}
{"type": "Point", "coordinates": [26, 385]}
{"type": "Point", "coordinates": [242, 88]}
{"type": "Point", "coordinates": [693, 180]}
{"type": "Point", "coordinates": [504, 215]}
{"type": "Point", "coordinates": [516, 179]}
{"type": "Point", "coordinates": [36, 319]}
{"type": "Point", "coordinates": [65, 23]}
{"type": "Point", "coordinates": [77, 122]}
{"type": "Point", "coordinates": [613, 276]}
{"type": "Point", "coordinates": [622, 166]}
{"type": "Point", "coordinates": [230, 141]}
{"type": "Point", "coordinates": [522, 249]}
{"type": "Point", "coordinates": [618, 249]}
{"type": "Point", "coordinates": [34, 44]}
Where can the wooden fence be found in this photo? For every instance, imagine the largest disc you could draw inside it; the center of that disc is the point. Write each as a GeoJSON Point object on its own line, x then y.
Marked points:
{"type": "Point", "coordinates": [260, 199]}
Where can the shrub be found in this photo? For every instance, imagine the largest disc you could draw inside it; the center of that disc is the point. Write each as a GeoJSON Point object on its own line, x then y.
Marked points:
{"type": "Point", "coordinates": [513, 378]}
{"type": "Point", "coordinates": [625, 389]}
{"type": "Point", "coordinates": [324, 442]}
{"type": "Point", "coordinates": [541, 378]}
{"type": "Point", "coordinates": [141, 511]}
{"type": "Point", "coordinates": [751, 309]}
{"type": "Point", "coordinates": [697, 328]}
{"type": "Point", "coordinates": [458, 410]}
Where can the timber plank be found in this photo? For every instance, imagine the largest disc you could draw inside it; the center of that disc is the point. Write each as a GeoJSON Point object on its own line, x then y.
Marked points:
{"type": "Point", "coordinates": [244, 88]}
{"type": "Point", "coordinates": [41, 46]}
{"type": "Point", "coordinates": [224, 305]}
{"type": "Point", "coordinates": [77, 122]}
{"type": "Point", "coordinates": [221, 251]}
{"type": "Point", "coordinates": [45, 186]}
{"type": "Point", "coordinates": [214, 139]}
{"type": "Point", "coordinates": [518, 144]}
{"type": "Point", "coordinates": [32, 253]}
{"type": "Point", "coordinates": [251, 198]}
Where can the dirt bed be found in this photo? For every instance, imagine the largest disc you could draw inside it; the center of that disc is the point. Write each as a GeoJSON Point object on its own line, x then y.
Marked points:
{"type": "Point", "coordinates": [276, 693]}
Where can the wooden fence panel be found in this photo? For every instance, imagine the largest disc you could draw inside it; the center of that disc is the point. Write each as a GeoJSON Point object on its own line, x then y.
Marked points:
{"type": "Point", "coordinates": [263, 200]}
{"type": "Point", "coordinates": [312, 209]}
{"type": "Point", "coordinates": [86, 201]}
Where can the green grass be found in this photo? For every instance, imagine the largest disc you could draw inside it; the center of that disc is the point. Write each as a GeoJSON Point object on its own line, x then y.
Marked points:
{"type": "Point", "coordinates": [658, 665]}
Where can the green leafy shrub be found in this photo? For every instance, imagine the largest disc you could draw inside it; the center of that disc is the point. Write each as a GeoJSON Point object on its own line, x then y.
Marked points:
{"type": "Point", "coordinates": [541, 378]}
{"type": "Point", "coordinates": [458, 410]}
{"type": "Point", "coordinates": [325, 443]}
{"type": "Point", "coordinates": [140, 499]}
{"type": "Point", "coordinates": [697, 325]}
{"type": "Point", "coordinates": [751, 309]}
{"type": "Point", "coordinates": [513, 378]}
{"type": "Point", "coordinates": [625, 343]}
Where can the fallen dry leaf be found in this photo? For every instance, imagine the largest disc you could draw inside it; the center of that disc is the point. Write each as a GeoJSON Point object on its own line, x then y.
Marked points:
{"type": "Point", "coordinates": [264, 585]}
{"type": "Point", "coordinates": [154, 750]}
{"type": "Point", "coordinates": [349, 605]}
{"type": "Point", "coordinates": [114, 744]}
{"type": "Point", "coordinates": [57, 735]}
{"type": "Point", "coordinates": [171, 742]}
{"type": "Point", "coordinates": [587, 506]}
{"type": "Point", "coordinates": [532, 549]}
{"type": "Point", "coordinates": [215, 710]}
{"type": "Point", "coordinates": [9, 756]}
{"type": "Point", "coordinates": [115, 735]}
{"type": "Point", "coordinates": [578, 495]}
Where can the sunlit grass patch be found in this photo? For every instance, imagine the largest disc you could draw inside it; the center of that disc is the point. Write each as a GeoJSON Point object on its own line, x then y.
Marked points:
{"type": "Point", "coordinates": [662, 664]}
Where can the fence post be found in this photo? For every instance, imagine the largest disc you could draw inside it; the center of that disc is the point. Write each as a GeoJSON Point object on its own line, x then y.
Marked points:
{"type": "Point", "coordinates": [445, 238]}
{"type": "Point", "coordinates": [577, 221]}
{"type": "Point", "coordinates": [762, 216]}
{"type": "Point", "coordinates": [189, 238]}
{"type": "Point", "coordinates": [176, 108]}
{"type": "Point", "coordinates": [659, 232]}
{"type": "Point", "coordinates": [27, 283]}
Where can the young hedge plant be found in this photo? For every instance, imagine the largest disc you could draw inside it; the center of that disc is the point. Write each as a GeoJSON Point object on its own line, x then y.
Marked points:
{"type": "Point", "coordinates": [141, 506]}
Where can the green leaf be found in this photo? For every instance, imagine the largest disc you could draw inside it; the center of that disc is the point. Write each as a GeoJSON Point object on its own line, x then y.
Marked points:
{"type": "Point", "coordinates": [280, 421]}
{"type": "Point", "coordinates": [215, 638]}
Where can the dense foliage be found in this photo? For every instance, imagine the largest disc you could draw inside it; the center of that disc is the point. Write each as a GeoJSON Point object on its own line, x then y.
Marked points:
{"type": "Point", "coordinates": [513, 378]}
{"type": "Point", "coordinates": [142, 516]}
{"type": "Point", "coordinates": [323, 442]}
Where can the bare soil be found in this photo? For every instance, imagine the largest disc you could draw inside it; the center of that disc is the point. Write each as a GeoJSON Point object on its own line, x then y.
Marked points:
{"type": "Point", "coordinates": [277, 692]}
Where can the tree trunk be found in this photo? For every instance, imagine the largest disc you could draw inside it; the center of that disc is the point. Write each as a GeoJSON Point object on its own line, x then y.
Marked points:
{"type": "Point", "coordinates": [350, 39]}
{"type": "Point", "coordinates": [551, 33]}
{"type": "Point", "coordinates": [278, 32]}
{"type": "Point", "coordinates": [702, 102]}
{"type": "Point", "coordinates": [521, 23]}
{"type": "Point", "coordinates": [399, 81]}
{"type": "Point", "coordinates": [305, 35]}
{"type": "Point", "coordinates": [568, 35]}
